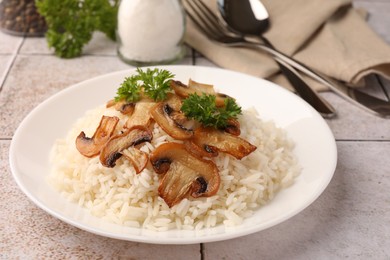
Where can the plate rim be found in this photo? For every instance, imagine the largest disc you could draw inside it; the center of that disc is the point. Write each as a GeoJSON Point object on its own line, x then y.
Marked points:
{"type": "Point", "coordinates": [170, 240]}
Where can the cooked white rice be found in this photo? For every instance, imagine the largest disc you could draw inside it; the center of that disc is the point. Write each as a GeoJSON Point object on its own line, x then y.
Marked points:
{"type": "Point", "coordinates": [121, 196]}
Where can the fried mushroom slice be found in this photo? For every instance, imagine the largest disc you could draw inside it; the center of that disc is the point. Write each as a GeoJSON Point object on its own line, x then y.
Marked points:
{"type": "Point", "coordinates": [112, 151]}
{"type": "Point", "coordinates": [183, 90]}
{"type": "Point", "coordinates": [184, 173]}
{"type": "Point", "coordinates": [126, 108]}
{"type": "Point", "coordinates": [141, 114]}
{"type": "Point", "coordinates": [207, 152]}
{"type": "Point", "coordinates": [91, 146]}
{"type": "Point", "coordinates": [138, 158]}
{"type": "Point", "coordinates": [213, 140]}
{"type": "Point", "coordinates": [168, 116]}
{"type": "Point", "coordinates": [233, 127]}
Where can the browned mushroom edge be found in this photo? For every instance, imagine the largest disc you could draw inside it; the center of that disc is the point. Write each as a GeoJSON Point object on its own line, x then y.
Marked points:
{"type": "Point", "coordinates": [183, 173]}
{"type": "Point", "coordinates": [131, 137]}
{"type": "Point", "coordinates": [137, 158]}
{"type": "Point", "coordinates": [184, 90]}
{"type": "Point", "coordinates": [212, 140]}
{"type": "Point", "coordinates": [168, 116]}
{"type": "Point", "coordinates": [124, 107]}
{"type": "Point", "coordinates": [91, 146]}
{"type": "Point", "coordinates": [141, 114]}
{"type": "Point", "coordinates": [233, 127]}
{"type": "Point", "coordinates": [206, 151]}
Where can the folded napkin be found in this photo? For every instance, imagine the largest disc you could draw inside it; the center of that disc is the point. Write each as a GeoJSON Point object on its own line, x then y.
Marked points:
{"type": "Point", "coordinates": [330, 36]}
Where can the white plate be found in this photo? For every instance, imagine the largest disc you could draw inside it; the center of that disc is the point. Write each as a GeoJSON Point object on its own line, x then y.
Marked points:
{"type": "Point", "coordinates": [315, 148]}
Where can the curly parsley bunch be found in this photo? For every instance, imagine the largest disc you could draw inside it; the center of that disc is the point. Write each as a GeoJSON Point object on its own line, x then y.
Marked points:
{"type": "Point", "coordinates": [154, 83]}
{"type": "Point", "coordinates": [71, 23]}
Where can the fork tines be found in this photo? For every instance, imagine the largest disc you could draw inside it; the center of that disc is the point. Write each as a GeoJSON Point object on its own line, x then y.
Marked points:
{"type": "Point", "coordinates": [207, 21]}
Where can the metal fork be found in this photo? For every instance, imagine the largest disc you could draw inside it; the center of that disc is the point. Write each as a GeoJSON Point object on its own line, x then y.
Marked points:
{"type": "Point", "coordinates": [299, 84]}
{"type": "Point", "coordinates": [211, 26]}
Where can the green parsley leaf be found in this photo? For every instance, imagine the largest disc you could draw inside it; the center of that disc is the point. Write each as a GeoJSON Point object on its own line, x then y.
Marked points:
{"type": "Point", "coordinates": [156, 83]}
{"type": "Point", "coordinates": [232, 109]}
{"type": "Point", "coordinates": [203, 109]}
{"type": "Point", "coordinates": [129, 90]}
{"type": "Point", "coordinates": [71, 23]}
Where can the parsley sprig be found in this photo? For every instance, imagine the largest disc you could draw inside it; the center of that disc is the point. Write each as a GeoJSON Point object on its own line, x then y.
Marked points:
{"type": "Point", "coordinates": [71, 23]}
{"type": "Point", "coordinates": [154, 83]}
{"type": "Point", "coordinates": [203, 109]}
{"type": "Point", "coordinates": [130, 90]}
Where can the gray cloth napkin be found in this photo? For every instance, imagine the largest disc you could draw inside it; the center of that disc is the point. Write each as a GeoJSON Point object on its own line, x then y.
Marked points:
{"type": "Point", "coordinates": [330, 36]}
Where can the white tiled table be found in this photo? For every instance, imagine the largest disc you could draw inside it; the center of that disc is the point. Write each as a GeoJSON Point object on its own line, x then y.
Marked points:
{"type": "Point", "coordinates": [351, 219]}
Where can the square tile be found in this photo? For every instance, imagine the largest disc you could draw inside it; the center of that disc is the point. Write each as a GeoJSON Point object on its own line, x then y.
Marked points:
{"type": "Point", "coordinates": [9, 44]}
{"type": "Point", "coordinates": [355, 123]}
{"type": "Point", "coordinates": [32, 79]}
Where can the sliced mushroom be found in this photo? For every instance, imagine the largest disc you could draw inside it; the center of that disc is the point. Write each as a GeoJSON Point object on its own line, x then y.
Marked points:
{"type": "Point", "coordinates": [91, 146]}
{"type": "Point", "coordinates": [141, 114]}
{"type": "Point", "coordinates": [198, 151]}
{"type": "Point", "coordinates": [138, 158]}
{"type": "Point", "coordinates": [213, 140]}
{"type": "Point", "coordinates": [233, 127]}
{"type": "Point", "coordinates": [114, 147]}
{"type": "Point", "coordinates": [168, 116]}
{"type": "Point", "coordinates": [110, 103]}
{"type": "Point", "coordinates": [184, 90]}
{"type": "Point", "coordinates": [122, 106]}
{"type": "Point", "coordinates": [184, 174]}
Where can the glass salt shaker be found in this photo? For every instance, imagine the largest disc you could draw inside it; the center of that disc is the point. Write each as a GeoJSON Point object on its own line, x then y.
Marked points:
{"type": "Point", "coordinates": [150, 32]}
{"type": "Point", "coordinates": [20, 18]}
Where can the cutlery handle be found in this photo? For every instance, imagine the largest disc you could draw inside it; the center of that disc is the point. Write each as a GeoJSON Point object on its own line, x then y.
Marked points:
{"type": "Point", "coordinates": [367, 102]}
{"type": "Point", "coordinates": [303, 89]}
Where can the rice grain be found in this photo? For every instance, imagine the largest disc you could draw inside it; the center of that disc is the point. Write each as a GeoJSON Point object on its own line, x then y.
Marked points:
{"type": "Point", "coordinates": [121, 196]}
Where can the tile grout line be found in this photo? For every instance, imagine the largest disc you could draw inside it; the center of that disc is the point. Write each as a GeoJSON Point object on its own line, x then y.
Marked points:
{"type": "Point", "coordinates": [10, 64]}
{"type": "Point", "coordinates": [82, 55]}
{"type": "Point", "coordinates": [6, 72]}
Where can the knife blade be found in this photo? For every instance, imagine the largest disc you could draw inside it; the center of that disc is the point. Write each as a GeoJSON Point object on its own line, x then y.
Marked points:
{"type": "Point", "coordinates": [306, 92]}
